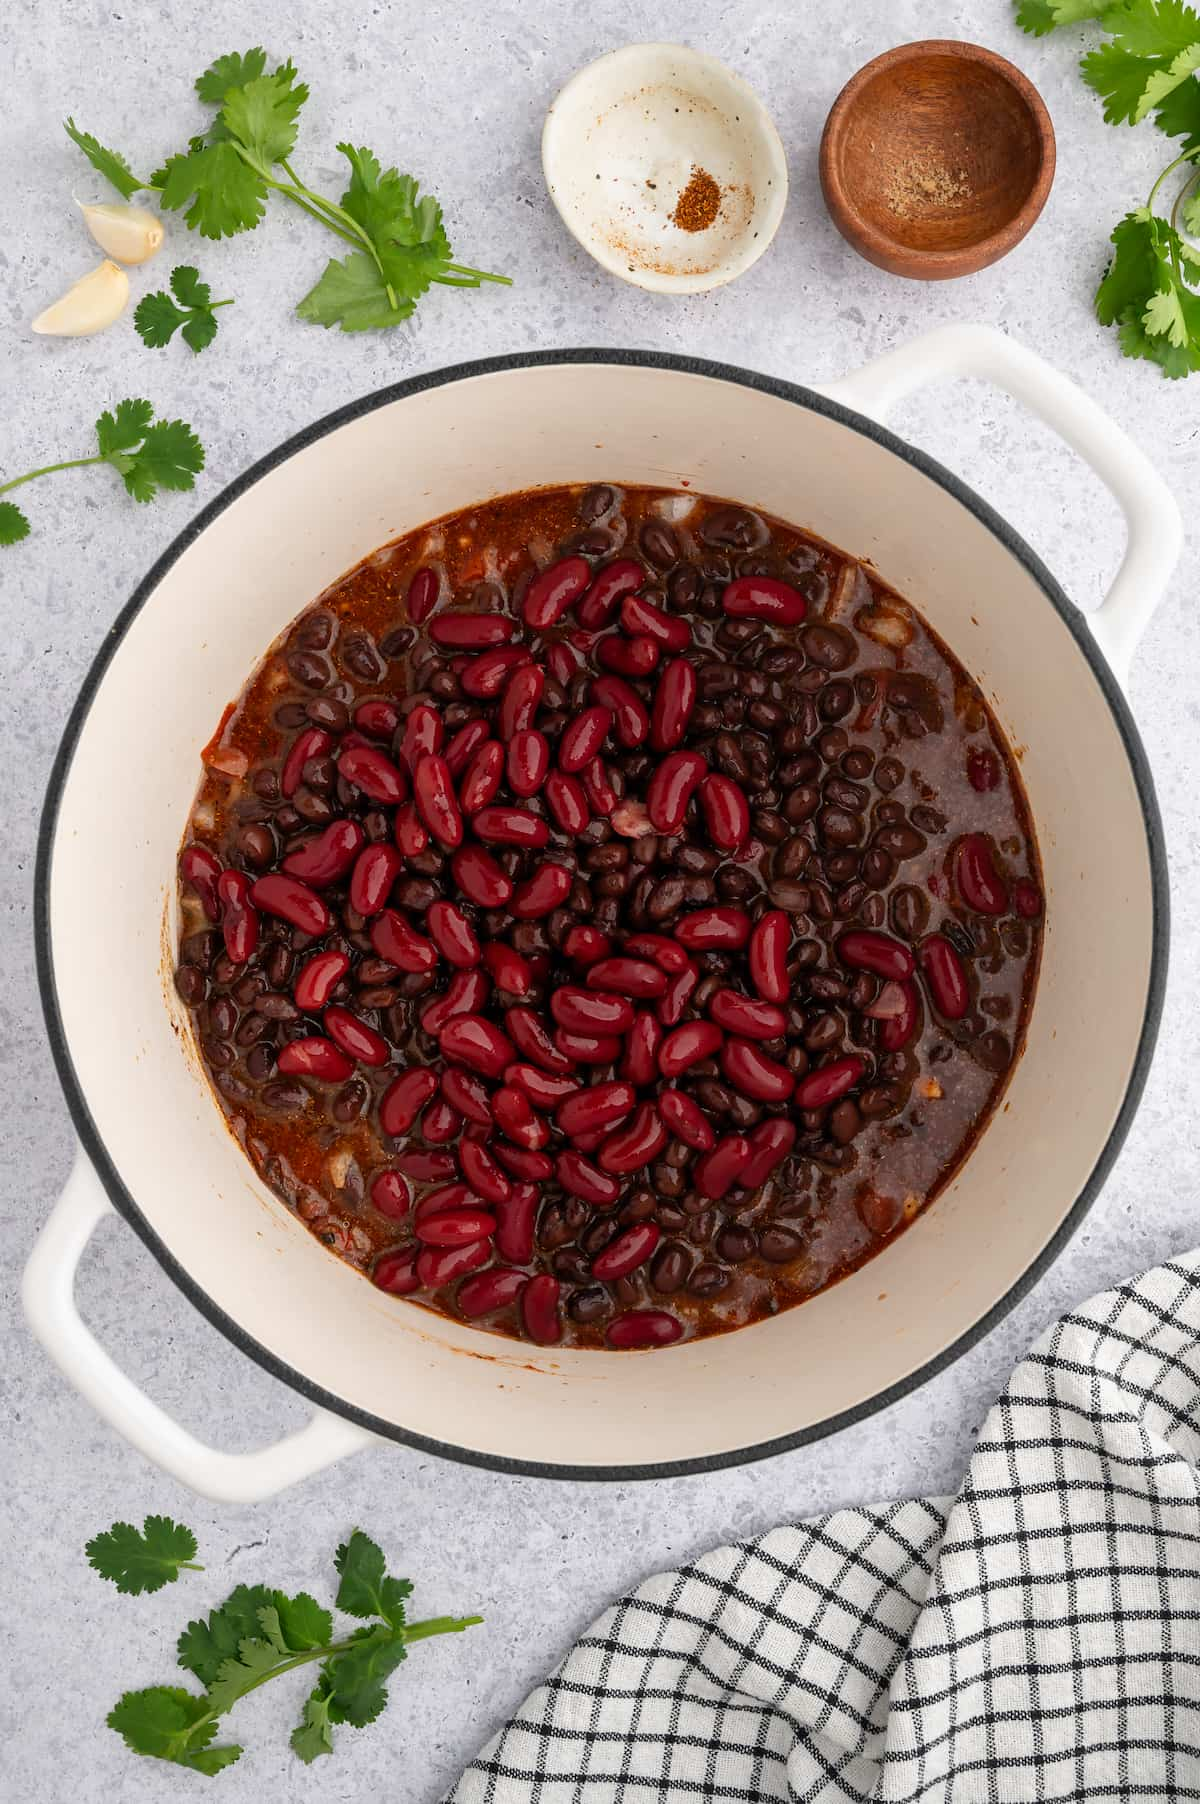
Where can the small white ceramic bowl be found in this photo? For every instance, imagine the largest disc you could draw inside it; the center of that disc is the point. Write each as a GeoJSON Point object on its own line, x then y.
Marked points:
{"type": "Point", "coordinates": [620, 144]}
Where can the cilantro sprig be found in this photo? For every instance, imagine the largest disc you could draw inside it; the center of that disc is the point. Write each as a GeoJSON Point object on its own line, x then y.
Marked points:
{"type": "Point", "coordinates": [258, 1635]}
{"type": "Point", "coordinates": [1147, 67]}
{"type": "Point", "coordinates": [147, 454]}
{"type": "Point", "coordinates": [222, 181]}
{"type": "Point", "coordinates": [192, 312]}
{"type": "Point", "coordinates": [146, 1560]}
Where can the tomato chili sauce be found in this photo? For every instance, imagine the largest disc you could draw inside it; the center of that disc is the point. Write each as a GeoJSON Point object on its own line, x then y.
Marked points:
{"type": "Point", "coordinates": [608, 916]}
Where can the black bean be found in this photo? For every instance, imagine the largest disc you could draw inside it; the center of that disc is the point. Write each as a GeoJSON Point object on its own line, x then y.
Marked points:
{"type": "Point", "coordinates": [658, 543]}
{"type": "Point", "coordinates": [595, 503]}
{"type": "Point", "coordinates": [284, 1097]}
{"type": "Point", "coordinates": [397, 642]}
{"type": "Point", "coordinates": [786, 893]}
{"type": "Point", "coordinates": [191, 983]}
{"type": "Point", "coordinates": [708, 1280]}
{"type": "Point", "coordinates": [832, 647]}
{"type": "Point", "coordinates": [780, 1245]}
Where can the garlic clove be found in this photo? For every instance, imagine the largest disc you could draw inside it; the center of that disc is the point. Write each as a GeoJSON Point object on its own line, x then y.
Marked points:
{"type": "Point", "coordinates": [92, 303]}
{"type": "Point", "coordinates": [130, 234]}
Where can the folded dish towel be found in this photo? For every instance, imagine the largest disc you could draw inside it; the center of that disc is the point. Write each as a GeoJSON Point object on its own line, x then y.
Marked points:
{"type": "Point", "coordinates": [1035, 1638]}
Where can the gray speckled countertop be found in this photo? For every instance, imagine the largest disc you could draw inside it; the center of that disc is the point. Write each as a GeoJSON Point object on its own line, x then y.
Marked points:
{"type": "Point", "coordinates": [457, 94]}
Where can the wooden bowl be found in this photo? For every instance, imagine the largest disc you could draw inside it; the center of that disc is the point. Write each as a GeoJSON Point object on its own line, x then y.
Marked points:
{"type": "Point", "coordinates": [936, 159]}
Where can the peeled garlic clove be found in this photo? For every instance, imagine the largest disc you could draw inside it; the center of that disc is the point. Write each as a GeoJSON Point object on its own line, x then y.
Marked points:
{"type": "Point", "coordinates": [130, 234]}
{"type": "Point", "coordinates": [92, 303]}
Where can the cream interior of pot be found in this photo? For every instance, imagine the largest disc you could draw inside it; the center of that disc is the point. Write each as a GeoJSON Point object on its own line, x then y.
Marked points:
{"type": "Point", "coordinates": [135, 771]}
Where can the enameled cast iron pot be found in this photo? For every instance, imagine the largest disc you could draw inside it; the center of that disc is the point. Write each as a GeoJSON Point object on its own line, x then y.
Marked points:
{"type": "Point", "coordinates": [156, 1146]}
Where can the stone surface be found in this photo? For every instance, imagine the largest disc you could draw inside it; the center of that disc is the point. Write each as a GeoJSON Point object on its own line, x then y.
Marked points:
{"type": "Point", "coordinates": [457, 95]}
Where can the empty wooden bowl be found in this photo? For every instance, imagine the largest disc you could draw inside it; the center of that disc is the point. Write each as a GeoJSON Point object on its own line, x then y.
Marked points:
{"type": "Point", "coordinates": [936, 159]}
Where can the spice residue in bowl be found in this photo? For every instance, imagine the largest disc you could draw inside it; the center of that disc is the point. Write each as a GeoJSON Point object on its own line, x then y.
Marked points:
{"type": "Point", "coordinates": [920, 183]}
{"type": "Point", "coordinates": [699, 203]}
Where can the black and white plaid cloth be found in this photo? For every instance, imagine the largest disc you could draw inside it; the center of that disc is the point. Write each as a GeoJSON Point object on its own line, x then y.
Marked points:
{"type": "Point", "coordinates": [1036, 1638]}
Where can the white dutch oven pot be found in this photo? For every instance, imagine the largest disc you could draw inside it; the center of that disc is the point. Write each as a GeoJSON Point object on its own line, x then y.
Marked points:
{"type": "Point", "coordinates": [155, 1145]}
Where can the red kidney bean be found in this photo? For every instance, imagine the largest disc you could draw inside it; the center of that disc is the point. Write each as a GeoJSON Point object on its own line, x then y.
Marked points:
{"type": "Point", "coordinates": [390, 1194]}
{"type": "Point", "coordinates": [423, 736]}
{"type": "Point", "coordinates": [490, 1290]}
{"type": "Point", "coordinates": [639, 1328]}
{"type": "Point", "coordinates": [587, 1143]}
{"type": "Point", "coordinates": [674, 699]}
{"type": "Point", "coordinates": [640, 616]}
{"type": "Point", "coordinates": [239, 919]}
{"type": "Point", "coordinates": [714, 930]}
{"type": "Point", "coordinates": [829, 1082]}
{"type": "Point", "coordinates": [719, 1170]}
{"type": "Point", "coordinates": [397, 940]}
{"type": "Point", "coordinates": [367, 768]}
{"type": "Point", "coordinates": [627, 977]}
{"type": "Point", "coordinates": [454, 1227]}
{"type": "Point", "coordinates": [554, 590]}
{"type": "Point", "coordinates": [453, 934]}
{"type": "Point", "coordinates": [463, 746]}
{"type": "Point", "coordinates": [440, 1124]}
{"type": "Point", "coordinates": [671, 787]}
{"type": "Point", "coordinates": [201, 868]}
{"type": "Point", "coordinates": [524, 1164]}
{"type": "Point", "coordinates": [409, 832]}
{"type": "Point", "coordinates": [478, 1043]}
{"type": "Point", "coordinates": [726, 812]}
{"type": "Point", "coordinates": [586, 945]}
{"type": "Point", "coordinates": [864, 950]}
{"type": "Point", "coordinates": [745, 1015]}
{"type": "Point", "coordinates": [328, 857]}
{"type": "Point", "coordinates": [313, 742]}
{"type": "Point", "coordinates": [531, 1036]}
{"type": "Point", "coordinates": [539, 1310]}
{"type": "Point", "coordinates": [587, 1049]}
{"type": "Point", "coordinates": [520, 702]}
{"type": "Point", "coordinates": [425, 1167]}
{"type": "Point", "coordinates": [377, 719]}
{"type": "Point", "coordinates": [979, 883]}
{"type": "Point", "coordinates": [587, 1012]}
{"type": "Point", "coordinates": [596, 1107]}
{"type": "Point", "coordinates": [316, 1057]}
{"type": "Point", "coordinates": [545, 1089]}
{"type": "Point", "coordinates": [687, 1045]}
{"type": "Point", "coordinates": [482, 1172]}
{"type": "Point", "coordinates": [639, 1065]}
{"type": "Point", "coordinates": [897, 1029]}
{"type": "Point", "coordinates": [437, 804]}
{"type": "Point", "coordinates": [764, 598]}
{"type": "Point", "coordinates": [599, 606]}
{"type": "Point", "coordinates": [667, 953]}
{"type": "Point", "coordinates": [946, 976]}
{"type": "Point", "coordinates": [631, 722]}
{"type": "Point", "coordinates": [629, 1250]}
{"type": "Point", "coordinates": [678, 994]}
{"type": "Point", "coordinates": [769, 945]}
{"type": "Point", "coordinates": [375, 870]}
{"type": "Point", "coordinates": [686, 1120]}
{"type": "Point", "coordinates": [442, 1265]}
{"type": "Point", "coordinates": [582, 738]}
{"type": "Point", "coordinates": [480, 878]}
{"type": "Point", "coordinates": [466, 995]}
{"type": "Point", "coordinates": [983, 769]}
{"type": "Point", "coordinates": [567, 802]}
{"type": "Point", "coordinates": [754, 1074]}
{"type": "Point", "coordinates": [597, 787]}
{"type": "Point", "coordinates": [355, 1038]}
{"type": "Point", "coordinates": [770, 1143]}
{"type": "Point", "coordinates": [509, 970]}
{"type": "Point", "coordinates": [562, 661]}
{"type": "Point", "coordinates": [318, 979]}
{"type": "Point", "coordinates": [482, 777]}
{"type": "Point", "coordinates": [514, 1223]}
{"type": "Point", "coordinates": [515, 1119]}
{"type": "Point", "coordinates": [423, 593]}
{"type": "Point", "coordinates": [447, 1196]}
{"type": "Point", "coordinates": [467, 1095]}
{"type": "Point", "coordinates": [471, 632]}
{"type": "Point", "coordinates": [486, 675]}
{"type": "Point", "coordinates": [582, 1178]}
{"type": "Point", "coordinates": [1026, 898]}
{"type": "Point", "coordinates": [510, 827]}
{"type": "Point", "coordinates": [630, 1147]}
{"type": "Point", "coordinates": [404, 1099]}
{"type": "Point", "coordinates": [291, 901]}
{"type": "Point", "coordinates": [629, 657]}
{"type": "Point", "coordinates": [540, 894]}
{"type": "Point", "coordinates": [397, 1272]}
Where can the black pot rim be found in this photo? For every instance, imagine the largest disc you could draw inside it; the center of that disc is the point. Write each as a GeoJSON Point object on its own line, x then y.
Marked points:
{"type": "Point", "coordinates": [988, 517]}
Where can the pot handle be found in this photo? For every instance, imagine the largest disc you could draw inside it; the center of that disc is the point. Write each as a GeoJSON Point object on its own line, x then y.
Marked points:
{"type": "Point", "coordinates": [1154, 531]}
{"type": "Point", "coordinates": [48, 1294]}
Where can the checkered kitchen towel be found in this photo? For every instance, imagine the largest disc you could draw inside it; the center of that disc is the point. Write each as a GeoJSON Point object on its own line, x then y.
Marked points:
{"type": "Point", "coordinates": [1035, 1638]}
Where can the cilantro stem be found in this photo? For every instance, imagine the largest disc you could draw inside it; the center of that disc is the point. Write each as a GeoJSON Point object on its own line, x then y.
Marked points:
{"type": "Point", "coordinates": [1169, 170]}
{"type": "Point", "coordinates": [328, 213]}
{"type": "Point", "coordinates": [72, 463]}
{"type": "Point", "coordinates": [476, 276]}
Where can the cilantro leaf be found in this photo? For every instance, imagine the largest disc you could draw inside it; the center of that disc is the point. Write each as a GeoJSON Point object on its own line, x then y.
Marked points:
{"type": "Point", "coordinates": [231, 71]}
{"type": "Point", "coordinates": [366, 1589]}
{"type": "Point", "coordinates": [146, 1561]}
{"type": "Point", "coordinates": [168, 456]}
{"type": "Point", "coordinates": [1190, 214]}
{"type": "Point", "coordinates": [1041, 16]}
{"type": "Point", "coordinates": [1179, 116]}
{"type": "Point", "coordinates": [303, 1622]}
{"type": "Point", "coordinates": [158, 317]}
{"type": "Point", "coordinates": [108, 163]}
{"type": "Point", "coordinates": [169, 1723]}
{"type": "Point", "coordinates": [205, 1645]}
{"type": "Point", "coordinates": [1157, 28]}
{"type": "Point", "coordinates": [262, 114]}
{"type": "Point", "coordinates": [14, 526]}
{"type": "Point", "coordinates": [123, 430]}
{"type": "Point", "coordinates": [313, 1735]}
{"type": "Point", "coordinates": [357, 1689]}
{"type": "Point", "coordinates": [223, 194]}
{"type": "Point", "coordinates": [255, 1660]}
{"type": "Point", "coordinates": [352, 294]}
{"type": "Point", "coordinates": [1145, 293]}
{"type": "Point", "coordinates": [1119, 77]}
